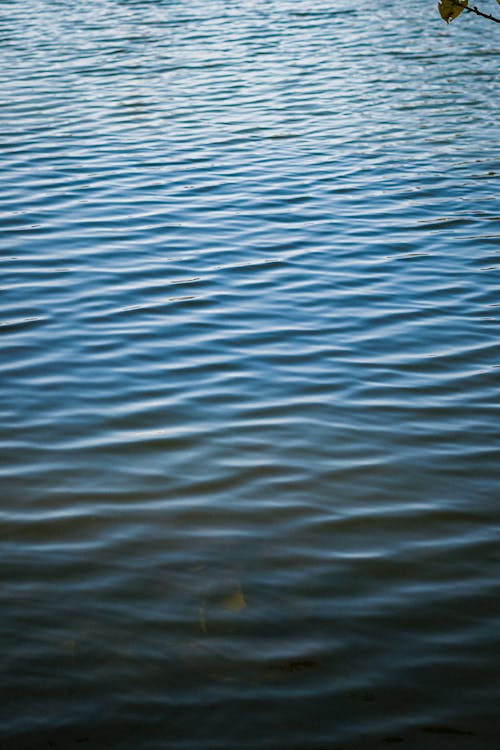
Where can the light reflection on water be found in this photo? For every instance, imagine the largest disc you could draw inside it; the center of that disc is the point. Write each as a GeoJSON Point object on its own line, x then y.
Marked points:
{"type": "Point", "coordinates": [249, 377]}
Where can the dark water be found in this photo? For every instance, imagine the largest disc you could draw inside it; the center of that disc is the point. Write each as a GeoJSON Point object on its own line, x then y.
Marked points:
{"type": "Point", "coordinates": [249, 371]}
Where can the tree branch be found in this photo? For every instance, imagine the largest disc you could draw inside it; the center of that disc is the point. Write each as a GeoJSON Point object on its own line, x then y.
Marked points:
{"type": "Point", "coordinates": [476, 11]}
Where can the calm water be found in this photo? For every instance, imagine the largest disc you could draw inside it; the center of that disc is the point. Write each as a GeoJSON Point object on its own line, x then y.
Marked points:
{"type": "Point", "coordinates": [249, 367]}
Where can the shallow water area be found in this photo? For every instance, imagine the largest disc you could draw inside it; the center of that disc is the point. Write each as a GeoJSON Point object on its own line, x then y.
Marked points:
{"type": "Point", "coordinates": [249, 370]}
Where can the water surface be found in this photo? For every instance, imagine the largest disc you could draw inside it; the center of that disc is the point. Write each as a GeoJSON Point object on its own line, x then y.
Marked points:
{"type": "Point", "coordinates": [249, 363]}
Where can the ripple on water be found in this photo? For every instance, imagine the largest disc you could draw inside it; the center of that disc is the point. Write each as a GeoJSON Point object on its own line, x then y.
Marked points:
{"type": "Point", "coordinates": [248, 315]}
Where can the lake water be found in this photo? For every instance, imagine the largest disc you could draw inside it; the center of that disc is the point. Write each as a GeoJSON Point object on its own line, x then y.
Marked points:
{"type": "Point", "coordinates": [249, 376]}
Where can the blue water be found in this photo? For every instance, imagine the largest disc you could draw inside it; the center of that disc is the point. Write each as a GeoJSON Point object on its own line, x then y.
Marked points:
{"type": "Point", "coordinates": [249, 376]}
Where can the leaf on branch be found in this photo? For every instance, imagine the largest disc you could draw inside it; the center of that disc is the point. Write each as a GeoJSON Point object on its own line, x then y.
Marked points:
{"type": "Point", "coordinates": [451, 9]}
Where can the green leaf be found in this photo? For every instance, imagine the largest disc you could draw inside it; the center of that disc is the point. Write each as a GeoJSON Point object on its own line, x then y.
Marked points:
{"type": "Point", "coordinates": [451, 9]}
{"type": "Point", "coordinates": [234, 601]}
